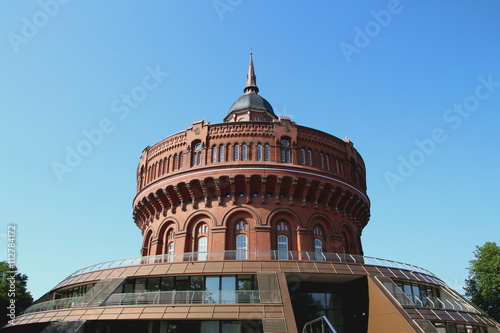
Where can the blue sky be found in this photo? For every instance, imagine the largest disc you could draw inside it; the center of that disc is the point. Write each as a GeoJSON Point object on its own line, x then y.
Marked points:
{"type": "Point", "coordinates": [414, 84]}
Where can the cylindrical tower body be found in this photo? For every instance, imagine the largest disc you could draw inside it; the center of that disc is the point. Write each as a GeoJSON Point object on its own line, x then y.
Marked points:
{"type": "Point", "coordinates": [272, 185]}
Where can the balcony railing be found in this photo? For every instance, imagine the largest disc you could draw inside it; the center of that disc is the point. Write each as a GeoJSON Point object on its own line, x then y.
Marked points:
{"type": "Point", "coordinates": [319, 325]}
{"type": "Point", "coordinates": [62, 303]}
{"type": "Point", "coordinates": [185, 297]}
{"type": "Point", "coordinates": [158, 297]}
{"type": "Point", "coordinates": [260, 255]}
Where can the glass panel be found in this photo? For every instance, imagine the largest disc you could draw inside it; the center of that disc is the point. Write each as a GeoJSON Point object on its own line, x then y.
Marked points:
{"type": "Point", "coordinates": [245, 282]}
{"type": "Point", "coordinates": [211, 326]}
{"type": "Point", "coordinates": [202, 248]}
{"type": "Point", "coordinates": [266, 152]}
{"type": "Point", "coordinates": [214, 155]}
{"type": "Point", "coordinates": [140, 285]}
{"type": "Point", "coordinates": [171, 251]}
{"type": "Point", "coordinates": [282, 154]}
{"type": "Point", "coordinates": [154, 284]}
{"type": "Point", "coordinates": [212, 284]}
{"type": "Point", "coordinates": [259, 152]}
{"type": "Point", "coordinates": [241, 247]}
{"type": "Point", "coordinates": [197, 283]}
{"type": "Point", "coordinates": [318, 250]}
{"type": "Point", "coordinates": [228, 283]}
{"type": "Point", "coordinates": [244, 152]}
{"type": "Point", "coordinates": [221, 159]}
{"type": "Point", "coordinates": [236, 152]}
{"type": "Point", "coordinates": [451, 328]}
{"type": "Point", "coordinates": [182, 283]}
{"type": "Point", "coordinates": [288, 158]}
{"type": "Point", "coordinates": [407, 290]}
{"type": "Point", "coordinates": [167, 283]}
{"type": "Point", "coordinates": [282, 247]}
{"type": "Point", "coordinates": [230, 326]}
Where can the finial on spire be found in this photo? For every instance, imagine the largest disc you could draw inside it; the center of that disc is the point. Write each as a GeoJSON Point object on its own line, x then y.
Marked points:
{"type": "Point", "coordinates": [251, 86]}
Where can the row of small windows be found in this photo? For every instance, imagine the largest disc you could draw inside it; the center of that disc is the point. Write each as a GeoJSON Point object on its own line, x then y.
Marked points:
{"type": "Point", "coordinates": [251, 152]}
{"type": "Point", "coordinates": [195, 282]}
{"type": "Point", "coordinates": [241, 152]}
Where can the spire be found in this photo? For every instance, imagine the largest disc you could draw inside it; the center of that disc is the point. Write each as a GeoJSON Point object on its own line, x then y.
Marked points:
{"type": "Point", "coordinates": [251, 87]}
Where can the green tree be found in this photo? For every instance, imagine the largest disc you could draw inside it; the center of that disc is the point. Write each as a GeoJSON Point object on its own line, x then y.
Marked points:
{"type": "Point", "coordinates": [12, 291]}
{"type": "Point", "coordinates": [483, 285]}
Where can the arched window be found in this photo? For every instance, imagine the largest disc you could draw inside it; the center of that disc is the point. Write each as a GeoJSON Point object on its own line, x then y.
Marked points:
{"type": "Point", "coordinates": [174, 162]}
{"type": "Point", "coordinates": [222, 154]}
{"type": "Point", "coordinates": [259, 152]}
{"type": "Point", "coordinates": [302, 156]}
{"type": "Point", "coordinates": [266, 152]}
{"type": "Point", "coordinates": [318, 231]}
{"type": "Point", "coordinates": [146, 248]}
{"type": "Point", "coordinates": [236, 152]}
{"type": "Point", "coordinates": [241, 240]}
{"type": "Point", "coordinates": [309, 157]}
{"type": "Point", "coordinates": [197, 147]}
{"type": "Point", "coordinates": [241, 247]}
{"type": "Point", "coordinates": [202, 248]}
{"type": "Point", "coordinates": [327, 162]}
{"type": "Point", "coordinates": [318, 250]}
{"type": "Point", "coordinates": [202, 241]}
{"type": "Point", "coordinates": [345, 242]}
{"type": "Point", "coordinates": [321, 160]}
{"type": "Point", "coordinates": [282, 226]}
{"type": "Point", "coordinates": [285, 155]}
{"type": "Point", "coordinates": [282, 247]}
{"type": "Point", "coordinates": [244, 152]}
{"type": "Point", "coordinates": [170, 245]}
{"type": "Point", "coordinates": [241, 226]}
{"type": "Point", "coordinates": [214, 154]}
{"type": "Point", "coordinates": [181, 157]}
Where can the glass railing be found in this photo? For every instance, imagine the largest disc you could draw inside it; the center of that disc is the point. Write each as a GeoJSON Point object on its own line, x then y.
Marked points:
{"type": "Point", "coordinates": [62, 303]}
{"type": "Point", "coordinates": [260, 255]}
{"type": "Point", "coordinates": [158, 297]}
{"type": "Point", "coordinates": [185, 297]}
{"type": "Point", "coordinates": [319, 325]}
{"type": "Point", "coordinates": [446, 301]}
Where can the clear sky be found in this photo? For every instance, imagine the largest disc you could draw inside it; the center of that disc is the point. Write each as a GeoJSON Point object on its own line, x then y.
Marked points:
{"type": "Point", "coordinates": [414, 84]}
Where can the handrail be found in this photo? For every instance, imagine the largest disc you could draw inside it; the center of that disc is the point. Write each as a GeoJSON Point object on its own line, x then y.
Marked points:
{"type": "Point", "coordinates": [321, 319]}
{"type": "Point", "coordinates": [157, 297]}
{"type": "Point", "coordinates": [250, 255]}
{"type": "Point", "coordinates": [185, 297]}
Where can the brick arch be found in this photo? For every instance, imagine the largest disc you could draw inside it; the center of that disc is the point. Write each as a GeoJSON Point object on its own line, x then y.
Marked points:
{"type": "Point", "coordinates": [146, 243]}
{"type": "Point", "coordinates": [192, 222]}
{"type": "Point", "coordinates": [234, 216]}
{"type": "Point", "coordinates": [348, 239]}
{"type": "Point", "coordinates": [294, 222]}
{"type": "Point", "coordinates": [165, 226]}
{"type": "Point", "coordinates": [324, 220]}
{"type": "Point", "coordinates": [291, 215]}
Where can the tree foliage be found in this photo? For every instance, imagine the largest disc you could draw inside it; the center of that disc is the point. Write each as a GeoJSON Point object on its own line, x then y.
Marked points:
{"type": "Point", "coordinates": [483, 284]}
{"type": "Point", "coordinates": [13, 290]}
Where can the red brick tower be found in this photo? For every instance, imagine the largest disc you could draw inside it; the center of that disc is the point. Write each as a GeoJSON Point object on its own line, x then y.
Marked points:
{"type": "Point", "coordinates": [255, 183]}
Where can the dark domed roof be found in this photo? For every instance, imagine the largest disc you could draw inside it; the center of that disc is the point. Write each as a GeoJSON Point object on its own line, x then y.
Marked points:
{"type": "Point", "coordinates": [251, 101]}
